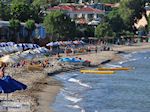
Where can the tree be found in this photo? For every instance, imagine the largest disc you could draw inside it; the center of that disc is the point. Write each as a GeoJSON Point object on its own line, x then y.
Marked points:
{"type": "Point", "coordinates": [20, 11]}
{"type": "Point", "coordinates": [21, 1]}
{"type": "Point", "coordinates": [59, 25]}
{"type": "Point", "coordinates": [4, 11]}
{"type": "Point", "coordinates": [35, 14]}
{"type": "Point", "coordinates": [103, 31]}
{"type": "Point", "coordinates": [15, 27]}
{"type": "Point", "coordinates": [108, 1]}
{"type": "Point", "coordinates": [116, 22]}
{"type": "Point", "coordinates": [131, 11]}
{"type": "Point", "coordinates": [43, 2]}
{"type": "Point", "coordinates": [30, 26]}
{"type": "Point", "coordinates": [23, 12]}
{"type": "Point", "coordinates": [148, 20]}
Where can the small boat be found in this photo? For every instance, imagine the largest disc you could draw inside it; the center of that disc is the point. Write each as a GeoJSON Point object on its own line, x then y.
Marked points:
{"type": "Point", "coordinates": [114, 69]}
{"type": "Point", "coordinates": [97, 72]}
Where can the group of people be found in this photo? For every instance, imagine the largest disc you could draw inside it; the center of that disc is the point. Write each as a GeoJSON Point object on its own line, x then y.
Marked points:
{"type": "Point", "coordinates": [86, 49]}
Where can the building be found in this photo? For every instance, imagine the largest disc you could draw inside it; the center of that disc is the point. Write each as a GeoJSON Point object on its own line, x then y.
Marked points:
{"type": "Point", "coordinates": [78, 12]}
{"type": "Point", "coordinates": [5, 31]}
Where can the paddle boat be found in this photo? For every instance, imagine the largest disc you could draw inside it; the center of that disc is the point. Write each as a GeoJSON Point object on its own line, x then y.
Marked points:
{"type": "Point", "coordinates": [113, 69]}
{"type": "Point", "coordinates": [97, 72]}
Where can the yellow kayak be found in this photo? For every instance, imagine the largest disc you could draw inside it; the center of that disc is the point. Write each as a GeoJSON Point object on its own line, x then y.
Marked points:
{"type": "Point", "coordinates": [113, 69]}
{"type": "Point", "coordinates": [97, 72]}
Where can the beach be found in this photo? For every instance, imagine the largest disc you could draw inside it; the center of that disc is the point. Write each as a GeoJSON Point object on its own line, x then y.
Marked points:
{"type": "Point", "coordinates": [43, 88]}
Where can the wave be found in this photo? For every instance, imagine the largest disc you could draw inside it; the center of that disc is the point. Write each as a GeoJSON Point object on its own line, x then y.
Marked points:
{"type": "Point", "coordinates": [73, 99]}
{"type": "Point", "coordinates": [67, 76]}
{"type": "Point", "coordinates": [76, 107]}
{"type": "Point", "coordinates": [129, 60]}
{"type": "Point", "coordinates": [68, 92]}
{"type": "Point", "coordinates": [128, 56]}
{"type": "Point", "coordinates": [146, 57]}
{"type": "Point", "coordinates": [79, 82]}
{"type": "Point", "coordinates": [113, 65]}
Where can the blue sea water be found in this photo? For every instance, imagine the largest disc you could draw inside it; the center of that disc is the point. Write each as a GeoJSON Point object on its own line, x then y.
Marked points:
{"type": "Point", "coordinates": [125, 91]}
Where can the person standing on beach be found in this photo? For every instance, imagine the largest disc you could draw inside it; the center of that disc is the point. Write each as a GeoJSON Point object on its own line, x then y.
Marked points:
{"type": "Point", "coordinates": [96, 49]}
{"type": "Point", "coordinates": [2, 70]}
{"type": "Point", "coordinates": [65, 51]}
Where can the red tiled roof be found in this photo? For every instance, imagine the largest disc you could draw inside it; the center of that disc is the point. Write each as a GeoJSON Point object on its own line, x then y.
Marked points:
{"type": "Point", "coordinates": [72, 8]}
{"type": "Point", "coordinates": [55, 8]}
{"type": "Point", "coordinates": [88, 9]}
{"type": "Point", "coordinates": [68, 8]}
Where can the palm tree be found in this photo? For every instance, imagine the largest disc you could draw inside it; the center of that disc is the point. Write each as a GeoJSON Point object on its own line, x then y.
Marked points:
{"type": "Point", "coordinates": [14, 25]}
{"type": "Point", "coordinates": [30, 26]}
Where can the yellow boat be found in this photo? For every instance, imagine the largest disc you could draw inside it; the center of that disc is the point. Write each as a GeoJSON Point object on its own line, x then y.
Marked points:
{"type": "Point", "coordinates": [97, 72]}
{"type": "Point", "coordinates": [113, 69]}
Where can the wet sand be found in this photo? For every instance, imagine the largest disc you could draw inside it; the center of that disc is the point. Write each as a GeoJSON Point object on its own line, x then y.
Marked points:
{"type": "Point", "coordinates": [42, 88]}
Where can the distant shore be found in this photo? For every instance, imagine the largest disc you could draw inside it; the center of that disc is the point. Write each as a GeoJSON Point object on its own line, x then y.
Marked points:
{"type": "Point", "coordinates": [42, 89]}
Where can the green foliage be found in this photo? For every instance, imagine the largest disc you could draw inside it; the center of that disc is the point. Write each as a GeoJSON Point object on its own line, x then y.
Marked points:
{"type": "Point", "coordinates": [23, 12]}
{"type": "Point", "coordinates": [30, 25]}
{"type": "Point", "coordinates": [4, 11]}
{"type": "Point", "coordinates": [15, 27]}
{"type": "Point", "coordinates": [20, 11]}
{"type": "Point", "coordinates": [20, 1]}
{"type": "Point", "coordinates": [131, 11]}
{"type": "Point", "coordinates": [127, 33]}
{"type": "Point", "coordinates": [39, 2]}
{"type": "Point", "coordinates": [14, 24]}
{"type": "Point", "coordinates": [43, 2]}
{"type": "Point", "coordinates": [115, 21]}
{"type": "Point", "coordinates": [103, 31]}
{"type": "Point", "coordinates": [35, 14]}
{"type": "Point", "coordinates": [58, 24]}
{"type": "Point", "coordinates": [108, 1]}
{"type": "Point", "coordinates": [148, 19]}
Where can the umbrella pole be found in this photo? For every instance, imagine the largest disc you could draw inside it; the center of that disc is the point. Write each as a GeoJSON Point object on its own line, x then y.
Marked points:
{"type": "Point", "coordinates": [7, 103]}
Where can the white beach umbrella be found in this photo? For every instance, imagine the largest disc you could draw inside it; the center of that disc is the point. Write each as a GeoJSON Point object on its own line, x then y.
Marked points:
{"type": "Point", "coordinates": [43, 50]}
{"type": "Point", "coordinates": [50, 44]}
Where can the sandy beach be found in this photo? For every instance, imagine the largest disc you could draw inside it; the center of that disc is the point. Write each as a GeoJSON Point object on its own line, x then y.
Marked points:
{"type": "Point", "coordinates": [42, 88]}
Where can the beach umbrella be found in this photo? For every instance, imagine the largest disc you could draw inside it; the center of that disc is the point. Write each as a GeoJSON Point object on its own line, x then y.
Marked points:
{"type": "Point", "coordinates": [35, 46]}
{"type": "Point", "coordinates": [43, 49]}
{"type": "Point", "coordinates": [14, 84]}
{"type": "Point", "coordinates": [50, 44]}
{"type": "Point", "coordinates": [82, 42]}
{"type": "Point", "coordinates": [53, 44]}
{"type": "Point", "coordinates": [10, 85]}
{"type": "Point", "coordinates": [76, 42]}
{"type": "Point", "coordinates": [10, 43]}
{"type": "Point", "coordinates": [4, 87]}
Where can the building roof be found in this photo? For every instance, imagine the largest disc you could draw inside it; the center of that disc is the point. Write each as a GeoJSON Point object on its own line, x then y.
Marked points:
{"type": "Point", "coordinates": [88, 9]}
{"type": "Point", "coordinates": [75, 9]}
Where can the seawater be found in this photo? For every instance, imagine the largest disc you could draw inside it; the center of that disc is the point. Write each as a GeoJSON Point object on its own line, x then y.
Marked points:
{"type": "Point", "coordinates": [125, 91]}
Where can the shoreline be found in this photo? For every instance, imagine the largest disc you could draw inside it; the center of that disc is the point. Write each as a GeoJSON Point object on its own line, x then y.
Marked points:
{"type": "Point", "coordinates": [113, 56]}
{"type": "Point", "coordinates": [43, 88]}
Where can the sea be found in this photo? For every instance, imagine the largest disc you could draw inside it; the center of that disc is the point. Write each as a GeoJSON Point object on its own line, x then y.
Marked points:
{"type": "Point", "coordinates": [124, 91]}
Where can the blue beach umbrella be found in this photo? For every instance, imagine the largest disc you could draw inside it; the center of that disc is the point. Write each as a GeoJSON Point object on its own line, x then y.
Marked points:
{"type": "Point", "coordinates": [9, 85]}
{"type": "Point", "coordinates": [14, 84]}
{"type": "Point", "coordinates": [4, 87]}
